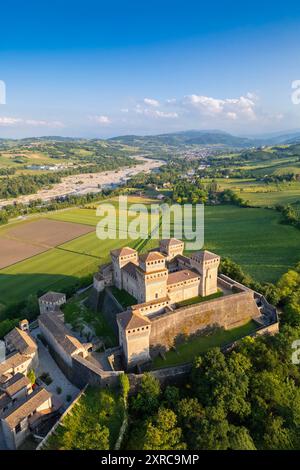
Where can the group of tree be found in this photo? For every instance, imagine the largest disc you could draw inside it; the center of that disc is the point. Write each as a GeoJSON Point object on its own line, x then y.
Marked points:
{"type": "Point", "coordinates": [243, 400]}
{"type": "Point", "coordinates": [289, 214]}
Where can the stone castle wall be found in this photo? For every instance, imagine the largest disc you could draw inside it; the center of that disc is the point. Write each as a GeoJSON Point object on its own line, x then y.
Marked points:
{"type": "Point", "coordinates": [228, 312]}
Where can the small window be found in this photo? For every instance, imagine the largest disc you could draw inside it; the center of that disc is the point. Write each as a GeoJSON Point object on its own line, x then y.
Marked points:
{"type": "Point", "coordinates": [18, 428]}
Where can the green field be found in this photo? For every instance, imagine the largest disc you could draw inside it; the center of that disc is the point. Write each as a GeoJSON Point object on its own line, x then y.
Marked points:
{"type": "Point", "coordinates": [252, 237]}
{"type": "Point", "coordinates": [262, 194]}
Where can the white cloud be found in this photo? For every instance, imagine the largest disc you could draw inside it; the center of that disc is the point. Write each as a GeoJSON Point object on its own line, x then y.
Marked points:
{"type": "Point", "coordinates": [232, 108]}
{"type": "Point", "coordinates": [13, 121]}
{"type": "Point", "coordinates": [151, 102]}
{"type": "Point", "coordinates": [101, 119]}
{"type": "Point", "coordinates": [9, 121]}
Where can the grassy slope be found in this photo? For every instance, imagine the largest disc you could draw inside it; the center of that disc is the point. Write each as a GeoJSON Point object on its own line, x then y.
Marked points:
{"type": "Point", "coordinates": [95, 407]}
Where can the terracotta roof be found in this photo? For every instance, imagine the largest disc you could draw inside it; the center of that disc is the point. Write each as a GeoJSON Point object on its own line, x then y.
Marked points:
{"type": "Point", "coordinates": [181, 276]}
{"type": "Point", "coordinates": [23, 408]}
{"type": "Point", "coordinates": [205, 255]}
{"type": "Point", "coordinates": [21, 341]}
{"type": "Point", "coordinates": [52, 297]}
{"type": "Point", "coordinates": [150, 302]}
{"type": "Point", "coordinates": [130, 268]}
{"type": "Point", "coordinates": [171, 241]}
{"type": "Point", "coordinates": [130, 320]}
{"type": "Point", "coordinates": [151, 256]}
{"type": "Point", "coordinates": [15, 384]}
{"type": "Point", "coordinates": [125, 251]}
{"type": "Point", "coordinates": [12, 362]}
{"type": "Point", "coordinates": [60, 332]}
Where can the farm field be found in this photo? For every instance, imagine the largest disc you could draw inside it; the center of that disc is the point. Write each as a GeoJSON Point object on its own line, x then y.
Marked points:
{"type": "Point", "coordinates": [54, 270]}
{"type": "Point", "coordinates": [239, 233]}
{"type": "Point", "coordinates": [262, 194]}
{"type": "Point", "coordinates": [243, 234]}
{"type": "Point", "coordinates": [25, 240]}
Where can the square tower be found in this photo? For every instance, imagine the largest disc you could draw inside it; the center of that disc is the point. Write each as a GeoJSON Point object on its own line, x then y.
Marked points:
{"type": "Point", "coordinates": [207, 265]}
{"type": "Point", "coordinates": [171, 248]}
{"type": "Point", "coordinates": [134, 334]}
{"type": "Point", "coordinates": [152, 276]}
{"type": "Point", "coordinates": [119, 259]}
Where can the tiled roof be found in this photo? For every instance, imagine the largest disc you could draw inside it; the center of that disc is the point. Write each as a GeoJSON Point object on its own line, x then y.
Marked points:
{"type": "Point", "coordinates": [205, 255]}
{"type": "Point", "coordinates": [12, 362]}
{"type": "Point", "coordinates": [15, 384]}
{"type": "Point", "coordinates": [171, 242]}
{"type": "Point", "coordinates": [130, 320]}
{"type": "Point", "coordinates": [126, 250]}
{"type": "Point", "coordinates": [150, 302]}
{"type": "Point", "coordinates": [151, 256]}
{"type": "Point", "coordinates": [130, 268]}
{"type": "Point", "coordinates": [60, 332]}
{"type": "Point", "coordinates": [181, 276]}
{"type": "Point", "coordinates": [23, 408]}
{"type": "Point", "coordinates": [21, 341]}
{"type": "Point", "coordinates": [52, 297]}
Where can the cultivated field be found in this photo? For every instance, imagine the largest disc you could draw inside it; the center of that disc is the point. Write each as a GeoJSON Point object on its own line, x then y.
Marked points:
{"type": "Point", "coordinates": [253, 237]}
{"type": "Point", "coordinates": [28, 239]}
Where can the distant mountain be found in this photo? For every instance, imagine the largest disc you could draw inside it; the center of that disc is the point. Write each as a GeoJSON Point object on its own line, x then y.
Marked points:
{"type": "Point", "coordinates": [184, 138]}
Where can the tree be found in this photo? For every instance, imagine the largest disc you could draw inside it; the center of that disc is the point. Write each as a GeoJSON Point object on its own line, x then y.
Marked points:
{"type": "Point", "coordinates": [240, 439]}
{"type": "Point", "coordinates": [223, 382]}
{"type": "Point", "coordinates": [147, 399]}
{"type": "Point", "coordinates": [96, 438]}
{"type": "Point", "coordinates": [31, 376]}
{"type": "Point", "coordinates": [125, 386]}
{"type": "Point", "coordinates": [162, 432]}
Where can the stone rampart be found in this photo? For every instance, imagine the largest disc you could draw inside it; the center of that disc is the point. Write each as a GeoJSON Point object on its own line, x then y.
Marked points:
{"type": "Point", "coordinates": [228, 312]}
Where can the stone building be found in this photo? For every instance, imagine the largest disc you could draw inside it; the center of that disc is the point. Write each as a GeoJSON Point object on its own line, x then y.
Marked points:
{"type": "Point", "coordinates": [60, 339]}
{"type": "Point", "coordinates": [51, 302]}
{"type": "Point", "coordinates": [161, 274]}
{"type": "Point", "coordinates": [163, 281]}
{"type": "Point", "coordinates": [21, 353]}
{"type": "Point", "coordinates": [25, 414]}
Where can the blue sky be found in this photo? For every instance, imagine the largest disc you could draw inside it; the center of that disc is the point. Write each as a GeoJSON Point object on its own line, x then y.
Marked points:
{"type": "Point", "coordinates": [99, 69]}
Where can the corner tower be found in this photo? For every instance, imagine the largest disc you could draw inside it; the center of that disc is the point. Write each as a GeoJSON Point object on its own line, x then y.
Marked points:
{"type": "Point", "coordinates": [207, 265]}
{"type": "Point", "coordinates": [119, 259]}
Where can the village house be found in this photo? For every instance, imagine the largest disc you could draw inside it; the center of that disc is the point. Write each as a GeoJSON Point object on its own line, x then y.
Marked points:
{"type": "Point", "coordinates": [62, 342]}
{"type": "Point", "coordinates": [22, 417]}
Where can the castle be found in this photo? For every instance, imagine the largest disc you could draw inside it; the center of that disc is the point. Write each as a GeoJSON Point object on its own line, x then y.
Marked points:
{"type": "Point", "coordinates": [163, 281]}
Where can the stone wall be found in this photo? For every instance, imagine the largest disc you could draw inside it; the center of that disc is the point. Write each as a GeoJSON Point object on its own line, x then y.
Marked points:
{"type": "Point", "coordinates": [228, 312]}
{"type": "Point", "coordinates": [85, 372]}
{"type": "Point", "coordinates": [167, 376]}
